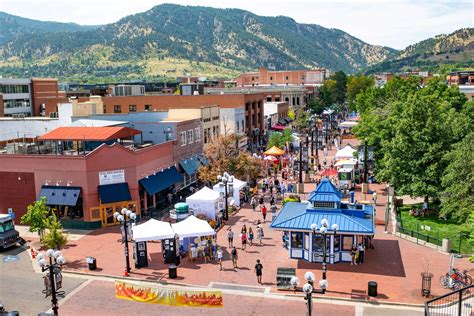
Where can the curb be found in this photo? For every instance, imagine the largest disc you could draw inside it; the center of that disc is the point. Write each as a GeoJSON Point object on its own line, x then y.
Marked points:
{"type": "Point", "coordinates": [270, 294]}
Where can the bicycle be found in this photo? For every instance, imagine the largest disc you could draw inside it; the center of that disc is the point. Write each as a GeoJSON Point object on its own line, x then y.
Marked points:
{"type": "Point", "coordinates": [456, 280]}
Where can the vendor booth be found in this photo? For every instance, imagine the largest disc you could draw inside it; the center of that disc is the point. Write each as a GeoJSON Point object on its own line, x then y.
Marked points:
{"type": "Point", "coordinates": [207, 202]}
{"type": "Point", "coordinates": [345, 153]}
{"type": "Point", "coordinates": [233, 190]}
{"type": "Point", "coordinates": [196, 237]}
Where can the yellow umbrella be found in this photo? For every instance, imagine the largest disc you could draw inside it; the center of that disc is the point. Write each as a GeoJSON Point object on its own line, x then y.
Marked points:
{"type": "Point", "coordinates": [274, 151]}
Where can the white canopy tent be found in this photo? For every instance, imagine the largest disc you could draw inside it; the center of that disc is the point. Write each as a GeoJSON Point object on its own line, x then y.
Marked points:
{"type": "Point", "coordinates": [346, 163]}
{"type": "Point", "coordinates": [152, 230]}
{"type": "Point", "coordinates": [237, 186]}
{"type": "Point", "coordinates": [193, 227]}
{"type": "Point", "coordinates": [345, 153]}
{"type": "Point", "coordinates": [205, 201]}
{"type": "Point", "coordinates": [347, 124]}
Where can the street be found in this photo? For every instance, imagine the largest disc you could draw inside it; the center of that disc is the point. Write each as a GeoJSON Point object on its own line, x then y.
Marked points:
{"type": "Point", "coordinates": [20, 286]}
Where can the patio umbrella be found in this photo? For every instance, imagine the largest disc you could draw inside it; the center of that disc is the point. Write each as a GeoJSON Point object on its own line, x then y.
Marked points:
{"type": "Point", "coordinates": [328, 173]}
{"type": "Point", "coordinates": [275, 151]}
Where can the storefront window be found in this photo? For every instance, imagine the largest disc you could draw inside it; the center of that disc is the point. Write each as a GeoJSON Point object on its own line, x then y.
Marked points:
{"type": "Point", "coordinates": [347, 242]}
{"type": "Point", "coordinates": [317, 243]}
{"type": "Point", "coordinates": [297, 240]}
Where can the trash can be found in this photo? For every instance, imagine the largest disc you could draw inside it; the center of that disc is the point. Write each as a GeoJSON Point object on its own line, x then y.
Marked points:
{"type": "Point", "coordinates": [91, 262]}
{"type": "Point", "coordinates": [372, 288]}
{"type": "Point", "coordinates": [172, 271]}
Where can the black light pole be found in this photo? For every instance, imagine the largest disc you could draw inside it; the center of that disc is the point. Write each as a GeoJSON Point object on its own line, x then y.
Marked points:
{"type": "Point", "coordinates": [126, 218]}
{"type": "Point", "coordinates": [226, 180]}
{"type": "Point", "coordinates": [51, 268]}
{"type": "Point", "coordinates": [323, 230]}
{"type": "Point", "coordinates": [366, 159]}
{"type": "Point", "coordinates": [301, 163]}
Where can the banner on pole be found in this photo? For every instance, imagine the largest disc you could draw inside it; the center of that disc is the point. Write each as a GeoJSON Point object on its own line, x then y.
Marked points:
{"type": "Point", "coordinates": [165, 296]}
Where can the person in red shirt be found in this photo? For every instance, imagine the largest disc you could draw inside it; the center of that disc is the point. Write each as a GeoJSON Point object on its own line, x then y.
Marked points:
{"type": "Point", "coordinates": [264, 212]}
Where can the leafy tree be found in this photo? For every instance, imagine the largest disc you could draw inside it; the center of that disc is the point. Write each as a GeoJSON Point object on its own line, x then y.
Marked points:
{"type": "Point", "coordinates": [458, 180]}
{"type": "Point", "coordinates": [340, 87]}
{"type": "Point", "coordinates": [327, 93]}
{"type": "Point", "coordinates": [316, 106]}
{"type": "Point", "coordinates": [356, 85]}
{"type": "Point", "coordinates": [55, 237]}
{"type": "Point", "coordinates": [36, 216]}
{"type": "Point", "coordinates": [302, 120]}
{"type": "Point", "coordinates": [291, 114]}
{"type": "Point", "coordinates": [224, 156]}
{"type": "Point", "coordinates": [280, 139]}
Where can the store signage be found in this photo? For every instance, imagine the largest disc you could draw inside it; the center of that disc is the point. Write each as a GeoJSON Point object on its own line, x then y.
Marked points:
{"type": "Point", "coordinates": [111, 177]}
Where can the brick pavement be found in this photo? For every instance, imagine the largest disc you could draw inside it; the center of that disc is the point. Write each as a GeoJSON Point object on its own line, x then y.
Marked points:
{"type": "Point", "coordinates": [395, 264]}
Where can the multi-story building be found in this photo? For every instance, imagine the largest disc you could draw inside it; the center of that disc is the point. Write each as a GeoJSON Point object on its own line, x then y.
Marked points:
{"type": "Point", "coordinates": [274, 113]}
{"type": "Point", "coordinates": [252, 102]}
{"type": "Point", "coordinates": [30, 97]}
{"type": "Point", "coordinates": [460, 78]}
{"type": "Point", "coordinates": [266, 77]}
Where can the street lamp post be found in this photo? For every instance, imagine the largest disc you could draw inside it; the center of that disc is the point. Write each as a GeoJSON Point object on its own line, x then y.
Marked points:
{"type": "Point", "coordinates": [323, 230]}
{"type": "Point", "coordinates": [52, 267]}
{"type": "Point", "coordinates": [387, 209]}
{"type": "Point", "coordinates": [127, 217]}
{"type": "Point", "coordinates": [226, 180]}
{"type": "Point", "coordinates": [309, 289]}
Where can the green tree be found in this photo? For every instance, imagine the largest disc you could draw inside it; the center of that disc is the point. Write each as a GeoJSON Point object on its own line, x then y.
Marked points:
{"type": "Point", "coordinates": [316, 106]}
{"type": "Point", "coordinates": [55, 237]}
{"type": "Point", "coordinates": [36, 216]}
{"type": "Point", "coordinates": [302, 120]}
{"type": "Point", "coordinates": [280, 139]}
{"type": "Point", "coordinates": [458, 181]}
{"type": "Point", "coordinates": [355, 86]}
{"type": "Point", "coordinates": [340, 87]}
{"type": "Point", "coordinates": [327, 93]}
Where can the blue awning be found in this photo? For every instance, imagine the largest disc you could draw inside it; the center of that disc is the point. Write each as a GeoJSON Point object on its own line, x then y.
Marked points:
{"type": "Point", "coordinates": [191, 165]}
{"type": "Point", "coordinates": [204, 160]}
{"type": "Point", "coordinates": [111, 193]}
{"type": "Point", "coordinates": [161, 180]}
{"type": "Point", "coordinates": [60, 195]}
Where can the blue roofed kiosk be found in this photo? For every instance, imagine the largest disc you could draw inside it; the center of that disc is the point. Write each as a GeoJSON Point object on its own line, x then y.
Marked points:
{"type": "Point", "coordinates": [355, 224]}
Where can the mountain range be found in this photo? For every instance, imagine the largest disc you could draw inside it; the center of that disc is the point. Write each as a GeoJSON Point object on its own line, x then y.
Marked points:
{"type": "Point", "coordinates": [172, 40]}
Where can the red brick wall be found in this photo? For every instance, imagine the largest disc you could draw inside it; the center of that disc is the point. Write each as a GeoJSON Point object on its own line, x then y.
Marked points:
{"type": "Point", "coordinates": [17, 191]}
{"type": "Point", "coordinates": [268, 77]}
{"type": "Point", "coordinates": [46, 91]}
{"type": "Point", "coordinates": [183, 152]}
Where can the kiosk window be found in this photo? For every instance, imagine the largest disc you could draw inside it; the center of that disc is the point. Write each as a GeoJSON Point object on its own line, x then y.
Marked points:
{"type": "Point", "coordinates": [296, 240]}
{"type": "Point", "coordinates": [347, 242]}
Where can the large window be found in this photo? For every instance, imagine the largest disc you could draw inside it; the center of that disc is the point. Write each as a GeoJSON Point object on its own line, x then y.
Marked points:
{"type": "Point", "coordinates": [14, 88]}
{"type": "Point", "coordinates": [148, 107]}
{"type": "Point", "coordinates": [182, 138]}
{"type": "Point", "coordinates": [337, 243]}
{"type": "Point", "coordinates": [297, 240]}
{"type": "Point", "coordinates": [16, 103]}
{"type": "Point", "coordinates": [325, 205]}
{"type": "Point", "coordinates": [132, 108]}
{"type": "Point", "coordinates": [117, 109]}
{"type": "Point", "coordinates": [190, 136]}
{"type": "Point", "coordinates": [197, 134]}
{"type": "Point", "coordinates": [347, 242]}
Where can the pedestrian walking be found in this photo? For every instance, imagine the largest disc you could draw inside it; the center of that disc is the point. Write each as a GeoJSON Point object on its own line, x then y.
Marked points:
{"type": "Point", "coordinates": [244, 229]}
{"type": "Point", "coordinates": [230, 237]}
{"type": "Point", "coordinates": [258, 271]}
{"type": "Point", "coordinates": [219, 257]}
{"type": "Point", "coordinates": [272, 200]}
{"type": "Point", "coordinates": [250, 236]}
{"type": "Point", "coordinates": [273, 208]}
{"type": "Point", "coordinates": [264, 212]}
{"type": "Point", "coordinates": [253, 202]}
{"type": "Point", "coordinates": [260, 202]}
{"type": "Point", "coordinates": [361, 249]}
{"type": "Point", "coordinates": [374, 197]}
{"type": "Point", "coordinates": [260, 234]}
{"type": "Point", "coordinates": [243, 238]}
{"type": "Point", "coordinates": [353, 255]}
{"type": "Point", "coordinates": [234, 257]}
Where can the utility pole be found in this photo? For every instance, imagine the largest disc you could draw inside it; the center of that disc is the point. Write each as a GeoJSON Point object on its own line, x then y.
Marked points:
{"type": "Point", "coordinates": [366, 158]}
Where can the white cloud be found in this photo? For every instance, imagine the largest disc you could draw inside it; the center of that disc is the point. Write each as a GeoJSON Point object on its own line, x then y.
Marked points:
{"type": "Point", "coordinates": [394, 23]}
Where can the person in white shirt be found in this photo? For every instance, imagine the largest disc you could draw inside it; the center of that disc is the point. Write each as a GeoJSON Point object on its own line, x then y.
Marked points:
{"type": "Point", "coordinates": [361, 253]}
{"type": "Point", "coordinates": [219, 257]}
{"type": "Point", "coordinates": [374, 197]}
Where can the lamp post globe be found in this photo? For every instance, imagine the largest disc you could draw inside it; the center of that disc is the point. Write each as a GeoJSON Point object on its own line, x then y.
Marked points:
{"type": "Point", "coordinates": [314, 227]}
{"type": "Point", "coordinates": [309, 276]}
{"type": "Point", "coordinates": [323, 284]}
{"type": "Point", "coordinates": [294, 281]}
{"type": "Point", "coordinates": [307, 288]}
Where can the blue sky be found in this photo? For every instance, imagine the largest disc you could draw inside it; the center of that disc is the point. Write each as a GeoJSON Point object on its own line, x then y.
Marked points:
{"type": "Point", "coordinates": [394, 23]}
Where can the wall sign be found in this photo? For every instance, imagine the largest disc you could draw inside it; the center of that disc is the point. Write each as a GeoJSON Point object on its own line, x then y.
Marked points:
{"type": "Point", "coordinates": [111, 177]}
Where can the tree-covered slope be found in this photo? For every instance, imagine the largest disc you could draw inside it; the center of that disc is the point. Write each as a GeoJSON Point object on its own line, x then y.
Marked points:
{"type": "Point", "coordinates": [205, 40]}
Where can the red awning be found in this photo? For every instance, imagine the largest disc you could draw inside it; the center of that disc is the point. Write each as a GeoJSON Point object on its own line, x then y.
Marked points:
{"type": "Point", "coordinates": [89, 133]}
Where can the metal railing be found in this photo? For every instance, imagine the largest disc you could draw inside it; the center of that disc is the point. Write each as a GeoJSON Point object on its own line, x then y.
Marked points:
{"type": "Point", "coordinates": [456, 303]}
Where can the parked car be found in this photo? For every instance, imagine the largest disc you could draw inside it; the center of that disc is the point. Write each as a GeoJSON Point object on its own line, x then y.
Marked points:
{"type": "Point", "coordinates": [9, 237]}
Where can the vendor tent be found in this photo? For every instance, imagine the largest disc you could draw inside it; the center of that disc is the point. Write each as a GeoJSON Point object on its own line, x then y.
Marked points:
{"type": "Point", "coordinates": [345, 153]}
{"type": "Point", "coordinates": [347, 124]}
{"type": "Point", "coordinates": [275, 151]}
{"type": "Point", "coordinates": [344, 162]}
{"type": "Point", "coordinates": [193, 227]}
{"type": "Point", "coordinates": [152, 230]}
{"type": "Point", "coordinates": [205, 201]}
{"type": "Point", "coordinates": [238, 185]}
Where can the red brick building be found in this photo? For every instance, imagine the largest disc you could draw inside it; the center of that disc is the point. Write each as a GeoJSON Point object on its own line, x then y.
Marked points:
{"type": "Point", "coordinates": [285, 77]}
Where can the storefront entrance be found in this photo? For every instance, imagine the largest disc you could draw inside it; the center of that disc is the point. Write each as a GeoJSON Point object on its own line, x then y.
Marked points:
{"type": "Point", "coordinates": [107, 211]}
